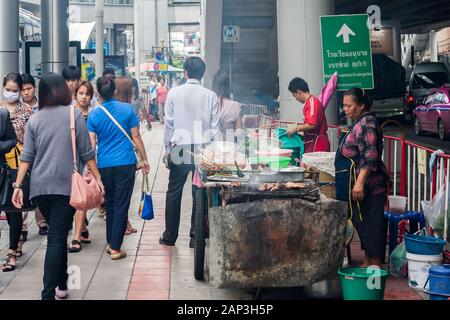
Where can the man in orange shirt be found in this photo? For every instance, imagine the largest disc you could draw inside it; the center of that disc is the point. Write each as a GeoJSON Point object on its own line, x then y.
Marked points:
{"type": "Point", "coordinates": [315, 127]}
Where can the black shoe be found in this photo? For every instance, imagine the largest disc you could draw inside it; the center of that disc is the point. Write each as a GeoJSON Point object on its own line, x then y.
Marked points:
{"type": "Point", "coordinates": [192, 243]}
{"type": "Point", "coordinates": [165, 243]}
{"type": "Point", "coordinates": [43, 231]}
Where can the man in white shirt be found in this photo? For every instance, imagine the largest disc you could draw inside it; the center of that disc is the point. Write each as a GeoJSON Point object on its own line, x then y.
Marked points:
{"type": "Point", "coordinates": [192, 119]}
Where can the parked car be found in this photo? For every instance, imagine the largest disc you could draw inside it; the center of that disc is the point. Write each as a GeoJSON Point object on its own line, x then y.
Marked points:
{"type": "Point", "coordinates": [425, 79]}
{"type": "Point", "coordinates": [434, 114]}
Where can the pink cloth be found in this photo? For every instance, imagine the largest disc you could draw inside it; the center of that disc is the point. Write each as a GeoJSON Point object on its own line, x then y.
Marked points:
{"type": "Point", "coordinates": [228, 115]}
{"type": "Point", "coordinates": [196, 181]}
{"type": "Point", "coordinates": [329, 90]}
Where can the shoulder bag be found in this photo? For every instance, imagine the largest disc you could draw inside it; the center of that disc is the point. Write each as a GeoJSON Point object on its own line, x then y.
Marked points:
{"type": "Point", "coordinates": [11, 168]}
{"type": "Point", "coordinates": [86, 193]}
{"type": "Point", "coordinates": [136, 151]}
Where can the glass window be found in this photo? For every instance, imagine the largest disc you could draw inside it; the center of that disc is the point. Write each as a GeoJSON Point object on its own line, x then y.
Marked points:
{"type": "Point", "coordinates": [429, 80]}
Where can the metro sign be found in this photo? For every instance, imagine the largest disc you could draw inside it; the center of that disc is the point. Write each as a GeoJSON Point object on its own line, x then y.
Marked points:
{"type": "Point", "coordinates": [231, 34]}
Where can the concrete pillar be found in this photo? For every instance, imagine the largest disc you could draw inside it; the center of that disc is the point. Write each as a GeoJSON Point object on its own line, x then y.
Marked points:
{"type": "Point", "coordinates": [154, 24]}
{"type": "Point", "coordinates": [55, 35]}
{"type": "Point", "coordinates": [9, 37]}
{"type": "Point", "coordinates": [300, 52]}
{"type": "Point", "coordinates": [99, 38]}
{"type": "Point", "coordinates": [211, 37]}
{"type": "Point", "coordinates": [137, 41]}
{"type": "Point", "coordinates": [433, 46]}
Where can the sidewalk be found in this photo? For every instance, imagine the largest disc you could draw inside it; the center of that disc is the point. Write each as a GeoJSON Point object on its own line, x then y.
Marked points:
{"type": "Point", "coordinates": [150, 271]}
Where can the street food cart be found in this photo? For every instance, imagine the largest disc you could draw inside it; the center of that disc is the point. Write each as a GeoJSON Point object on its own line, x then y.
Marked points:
{"type": "Point", "coordinates": [259, 227]}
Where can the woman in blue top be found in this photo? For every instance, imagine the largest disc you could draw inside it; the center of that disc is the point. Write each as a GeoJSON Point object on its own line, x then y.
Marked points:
{"type": "Point", "coordinates": [116, 160]}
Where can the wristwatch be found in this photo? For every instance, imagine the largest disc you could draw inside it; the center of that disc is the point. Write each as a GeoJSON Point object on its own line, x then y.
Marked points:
{"type": "Point", "coordinates": [16, 186]}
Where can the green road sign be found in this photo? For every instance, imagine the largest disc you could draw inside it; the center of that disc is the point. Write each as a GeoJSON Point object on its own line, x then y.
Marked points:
{"type": "Point", "coordinates": [346, 49]}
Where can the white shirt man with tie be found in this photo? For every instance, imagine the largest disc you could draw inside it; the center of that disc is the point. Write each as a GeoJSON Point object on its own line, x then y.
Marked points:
{"type": "Point", "coordinates": [192, 120]}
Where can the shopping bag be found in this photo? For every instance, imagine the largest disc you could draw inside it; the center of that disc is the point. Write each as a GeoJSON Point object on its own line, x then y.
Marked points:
{"type": "Point", "coordinates": [146, 206]}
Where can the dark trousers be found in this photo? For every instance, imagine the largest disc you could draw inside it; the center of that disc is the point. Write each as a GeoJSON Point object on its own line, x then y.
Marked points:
{"type": "Point", "coordinates": [59, 215]}
{"type": "Point", "coordinates": [177, 180]}
{"type": "Point", "coordinates": [372, 230]}
{"type": "Point", "coordinates": [15, 222]}
{"type": "Point", "coordinates": [119, 184]}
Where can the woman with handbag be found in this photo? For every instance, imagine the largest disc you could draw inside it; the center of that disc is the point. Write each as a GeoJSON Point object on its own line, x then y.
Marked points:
{"type": "Point", "coordinates": [19, 113]}
{"type": "Point", "coordinates": [115, 127]}
{"type": "Point", "coordinates": [84, 93]}
{"type": "Point", "coordinates": [49, 148]}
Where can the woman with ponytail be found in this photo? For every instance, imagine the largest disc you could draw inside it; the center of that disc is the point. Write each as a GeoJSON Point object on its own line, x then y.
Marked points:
{"type": "Point", "coordinates": [116, 159]}
{"type": "Point", "coordinates": [361, 176]}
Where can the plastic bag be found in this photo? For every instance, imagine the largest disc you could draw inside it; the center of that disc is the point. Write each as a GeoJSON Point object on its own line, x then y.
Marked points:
{"type": "Point", "coordinates": [434, 211]}
{"type": "Point", "coordinates": [398, 264]}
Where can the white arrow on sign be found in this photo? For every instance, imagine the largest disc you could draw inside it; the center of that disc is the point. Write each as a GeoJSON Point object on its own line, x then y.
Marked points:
{"type": "Point", "coordinates": [345, 32]}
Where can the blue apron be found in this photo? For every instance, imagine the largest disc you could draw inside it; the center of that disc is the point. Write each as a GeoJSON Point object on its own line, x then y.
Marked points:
{"type": "Point", "coordinates": [346, 176]}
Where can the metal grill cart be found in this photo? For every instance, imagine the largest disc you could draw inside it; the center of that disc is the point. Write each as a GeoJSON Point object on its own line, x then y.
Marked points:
{"type": "Point", "coordinates": [266, 230]}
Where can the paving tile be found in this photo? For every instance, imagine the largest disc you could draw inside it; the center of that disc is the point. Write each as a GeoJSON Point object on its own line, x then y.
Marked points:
{"type": "Point", "coordinates": [106, 295]}
{"type": "Point", "coordinates": [148, 295]}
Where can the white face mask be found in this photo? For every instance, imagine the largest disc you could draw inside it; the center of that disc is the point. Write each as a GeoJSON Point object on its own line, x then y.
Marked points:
{"type": "Point", "coordinates": [11, 97]}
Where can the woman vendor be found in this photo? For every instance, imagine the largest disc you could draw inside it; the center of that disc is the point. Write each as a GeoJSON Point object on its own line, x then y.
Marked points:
{"type": "Point", "coordinates": [361, 176]}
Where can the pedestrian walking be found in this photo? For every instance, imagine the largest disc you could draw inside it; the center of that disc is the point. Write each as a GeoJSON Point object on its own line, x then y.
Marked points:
{"type": "Point", "coordinates": [30, 98]}
{"type": "Point", "coordinates": [72, 76]}
{"type": "Point", "coordinates": [315, 127]}
{"type": "Point", "coordinates": [114, 126]}
{"type": "Point", "coordinates": [230, 117]}
{"type": "Point", "coordinates": [83, 95]}
{"type": "Point", "coordinates": [361, 176]}
{"type": "Point", "coordinates": [188, 108]}
{"type": "Point", "coordinates": [125, 91]}
{"type": "Point", "coordinates": [161, 94]}
{"type": "Point", "coordinates": [48, 149]}
{"type": "Point", "coordinates": [19, 113]}
{"type": "Point", "coordinates": [7, 142]}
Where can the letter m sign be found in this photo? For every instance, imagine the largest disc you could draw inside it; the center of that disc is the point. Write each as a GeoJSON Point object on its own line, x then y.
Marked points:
{"type": "Point", "coordinates": [231, 34]}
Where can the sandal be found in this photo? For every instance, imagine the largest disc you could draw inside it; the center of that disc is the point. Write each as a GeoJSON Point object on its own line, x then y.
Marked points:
{"type": "Point", "coordinates": [130, 231]}
{"type": "Point", "coordinates": [7, 266]}
{"type": "Point", "coordinates": [85, 237]}
{"type": "Point", "coordinates": [75, 247]}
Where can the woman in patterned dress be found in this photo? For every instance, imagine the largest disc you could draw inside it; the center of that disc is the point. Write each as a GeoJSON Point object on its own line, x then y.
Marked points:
{"type": "Point", "coordinates": [19, 113]}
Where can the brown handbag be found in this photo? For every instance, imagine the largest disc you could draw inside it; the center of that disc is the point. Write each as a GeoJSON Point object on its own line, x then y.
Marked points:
{"type": "Point", "coordinates": [86, 193]}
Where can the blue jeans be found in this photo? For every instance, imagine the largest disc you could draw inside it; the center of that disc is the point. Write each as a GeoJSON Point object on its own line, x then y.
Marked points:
{"type": "Point", "coordinates": [119, 184]}
{"type": "Point", "coordinates": [59, 215]}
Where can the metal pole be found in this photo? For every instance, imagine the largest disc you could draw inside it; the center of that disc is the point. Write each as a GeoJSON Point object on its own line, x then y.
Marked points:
{"type": "Point", "coordinates": [9, 37]}
{"type": "Point", "coordinates": [137, 44]}
{"type": "Point", "coordinates": [433, 46]}
{"type": "Point", "coordinates": [156, 24]}
{"type": "Point", "coordinates": [99, 38]}
{"type": "Point", "coordinates": [55, 35]}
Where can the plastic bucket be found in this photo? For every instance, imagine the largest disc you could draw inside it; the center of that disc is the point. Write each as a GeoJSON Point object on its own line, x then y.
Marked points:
{"type": "Point", "coordinates": [418, 267]}
{"type": "Point", "coordinates": [440, 279]}
{"type": "Point", "coordinates": [363, 283]}
{"type": "Point", "coordinates": [435, 296]}
{"type": "Point", "coordinates": [424, 245]}
{"type": "Point", "coordinates": [397, 204]}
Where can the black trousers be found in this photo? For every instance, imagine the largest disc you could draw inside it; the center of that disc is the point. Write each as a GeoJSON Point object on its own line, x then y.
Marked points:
{"type": "Point", "coordinates": [372, 230]}
{"type": "Point", "coordinates": [59, 215]}
{"type": "Point", "coordinates": [119, 185]}
{"type": "Point", "coordinates": [15, 222]}
{"type": "Point", "coordinates": [179, 171]}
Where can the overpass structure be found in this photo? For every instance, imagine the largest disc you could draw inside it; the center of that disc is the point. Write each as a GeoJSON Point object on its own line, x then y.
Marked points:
{"type": "Point", "coordinates": [280, 39]}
